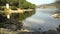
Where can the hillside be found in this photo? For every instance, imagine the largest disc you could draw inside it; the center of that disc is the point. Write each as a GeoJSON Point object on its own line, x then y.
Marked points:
{"type": "Point", "coordinates": [52, 5]}
{"type": "Point", "coordinates": [23, 4]}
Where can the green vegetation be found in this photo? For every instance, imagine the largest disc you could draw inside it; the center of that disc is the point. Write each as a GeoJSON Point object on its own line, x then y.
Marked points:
{"type": "Point", "coordinates": [21, 17]}
{"type": "Point", "coordinates": [15, 22]}
{"type": "Point", "coordinates": [16, 4]}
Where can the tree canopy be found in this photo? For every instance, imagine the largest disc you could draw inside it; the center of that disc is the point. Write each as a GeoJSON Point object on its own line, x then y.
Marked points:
{"type": "Point", "coordinates": [17, 4]}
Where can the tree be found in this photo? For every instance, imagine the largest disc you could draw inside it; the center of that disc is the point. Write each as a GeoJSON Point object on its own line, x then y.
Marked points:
{"type": "Point", "coordinates": [18, 3]}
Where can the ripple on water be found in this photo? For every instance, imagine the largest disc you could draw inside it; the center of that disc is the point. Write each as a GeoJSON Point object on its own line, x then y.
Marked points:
{"type": "Point", "coordinates": [43, 20]}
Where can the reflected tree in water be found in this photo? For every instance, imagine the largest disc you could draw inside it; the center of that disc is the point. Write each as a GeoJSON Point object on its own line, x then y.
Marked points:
{"type": "Point", "coordinates": [15, 22]}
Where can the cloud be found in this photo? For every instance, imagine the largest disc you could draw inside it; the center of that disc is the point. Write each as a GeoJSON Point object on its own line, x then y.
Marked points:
{"type": "Point", "coordinates": [38, 2]}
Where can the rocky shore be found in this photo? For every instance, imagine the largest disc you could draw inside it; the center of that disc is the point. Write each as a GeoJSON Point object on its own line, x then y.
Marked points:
{"type": "Point", "coordinates": [6, 31]}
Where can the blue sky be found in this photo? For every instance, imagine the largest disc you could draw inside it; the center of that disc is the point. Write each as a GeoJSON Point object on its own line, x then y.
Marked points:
{"type": "Point", "coordinates": [39, 2]}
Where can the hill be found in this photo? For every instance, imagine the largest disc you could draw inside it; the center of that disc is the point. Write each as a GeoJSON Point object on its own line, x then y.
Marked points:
{"type": "Point", "coordinates": [23, 4]}
{"type": "Point", "coordinates": [52, 5]}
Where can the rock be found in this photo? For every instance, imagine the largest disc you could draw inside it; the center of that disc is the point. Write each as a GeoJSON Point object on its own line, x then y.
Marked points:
{"type": "Point", "coordinates": [25, 30]}
{"type": "Point", "coordinates": [11, 24]}
{"type": "Point", "coordinates": [51, 32]}
{"type": "Point", "coordinates": [6, 31]}
{"type": "Point", "coordinates": [58, 29]}
{"type": "Point", "coordinates": [56, 15]}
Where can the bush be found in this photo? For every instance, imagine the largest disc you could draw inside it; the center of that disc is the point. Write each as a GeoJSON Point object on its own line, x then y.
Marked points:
{"type": "Point", "coordinates": [13, 7]}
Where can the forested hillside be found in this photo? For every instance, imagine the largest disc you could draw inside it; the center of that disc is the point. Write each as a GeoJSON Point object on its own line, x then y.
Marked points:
{"type": "Point", "coordinates": [16, 4]}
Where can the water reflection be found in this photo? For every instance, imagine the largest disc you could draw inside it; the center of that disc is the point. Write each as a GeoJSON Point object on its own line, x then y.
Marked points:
{"type": "Point", "coordinates": [42, 19]}
{"type": "Point", "coordinates": [23, 16]}
{"type": "Point", "coordinates": [15, 22]}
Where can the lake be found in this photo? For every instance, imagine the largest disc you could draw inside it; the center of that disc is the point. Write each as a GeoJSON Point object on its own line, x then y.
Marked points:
{"type": "Point", "coordinates": [42, 19]}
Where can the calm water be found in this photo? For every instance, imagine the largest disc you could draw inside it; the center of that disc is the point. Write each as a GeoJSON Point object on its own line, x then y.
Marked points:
{"type": "Point", "coordinates": [42, 19]}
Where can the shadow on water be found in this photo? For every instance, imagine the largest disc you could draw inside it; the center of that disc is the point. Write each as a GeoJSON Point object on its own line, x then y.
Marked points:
{"type": "Point", "coordinates": [15, 22]}
{"type": "Point", "coordinates": [21, 17]}
{"type": "Point", "coordinates": [42, 19]}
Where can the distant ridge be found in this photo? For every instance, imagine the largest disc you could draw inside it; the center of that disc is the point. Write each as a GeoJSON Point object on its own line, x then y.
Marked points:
{"type": "Point", "coordinates": [52, 5]}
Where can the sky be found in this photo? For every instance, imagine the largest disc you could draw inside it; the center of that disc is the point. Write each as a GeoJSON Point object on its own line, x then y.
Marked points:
{"type": "Point", "coordinates": [39, 2]}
